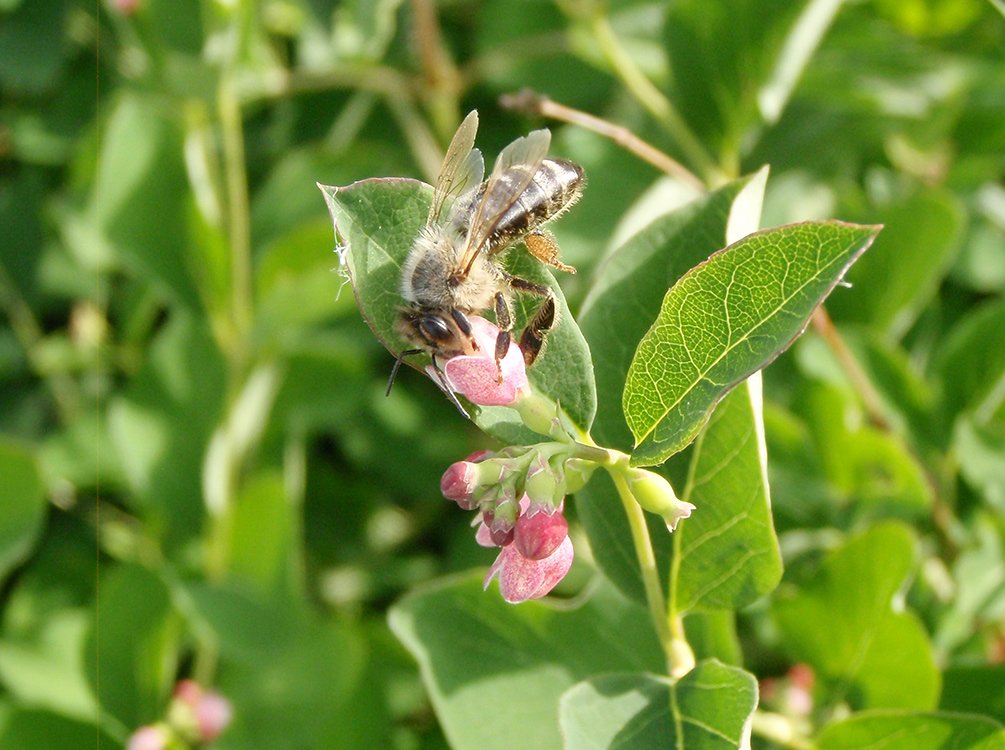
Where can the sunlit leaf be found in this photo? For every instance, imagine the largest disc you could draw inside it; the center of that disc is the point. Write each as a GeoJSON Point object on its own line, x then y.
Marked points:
{"type": "Point", "coordinates": [842, 622]}
{"type": "Point", "coordinates": [472, 647]}
{"type": "Point", "coordinates": [913, 731]}
{"type": "Point", "coordinates": [708, 708]}
{"type": "Point", "coordinates": [724, 320]}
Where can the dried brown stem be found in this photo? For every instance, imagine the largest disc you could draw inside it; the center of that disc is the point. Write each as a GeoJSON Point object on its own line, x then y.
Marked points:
{"type": "Point", "coordinates": [533, 103]}
{"type": "Point", "coordinates": [860, 381]}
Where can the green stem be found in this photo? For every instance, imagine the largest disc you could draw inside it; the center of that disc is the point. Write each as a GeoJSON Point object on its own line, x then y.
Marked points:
{"type": "Point", "coordinates": [652, 98]}
{"type": "Point", "coordinates": [232, 133]}
{"type": "Point", "coordinates": [647, 565]}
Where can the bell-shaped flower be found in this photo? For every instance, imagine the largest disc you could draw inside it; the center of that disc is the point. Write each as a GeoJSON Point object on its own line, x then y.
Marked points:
{"type": "Point", "coordinates": [534, 559]}
{"type": "Point", "coordinates": [478, 377]}
{"type": "Point", "coordinates": [521, 578]}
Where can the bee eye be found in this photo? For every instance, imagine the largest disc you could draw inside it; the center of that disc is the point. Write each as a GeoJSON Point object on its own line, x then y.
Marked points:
{"type": "Point", "coordinates": [434, 329]}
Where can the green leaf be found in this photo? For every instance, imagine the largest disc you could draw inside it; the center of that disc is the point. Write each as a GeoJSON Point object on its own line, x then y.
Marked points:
{"type": "Point", "coordinates": [22, 505]}
{"type": "Point", "coordinates": [724, 320]}
{"type": "Point", "coordinates": [728, 551]}
{"type": "Point", "coordinates": [976, 688]}
{"type": "Point", "coordinates": [295, 693]}
{"type": "Point", "coordinates": [842, 622]}
{"type": "Point", "coordinates": [708, 708]}
{"type": "Point", "coordinates": [871, 469]}
{"type": "Point", "coordinates": [378, 219]}
{"type": "Point", "coordinates": [901, 273]}
{"type": "Point", "coordinates": [34, 42]}
{"type": "Point", "coordinates": [140, 199]}
{"type": "Point", "coordinates": [52, 654]}
{"type": "Point", "coordinates": [246, 625]}
{"type": "Point", "coordinates": [641, 270]}
{"type": "Point", "coordinates": [734, 65]}
{"type": "Point", "coordinates": [485, 662]}
{"type": "Point", "coordinates": [132, 650]}
{"type": "Point", "coordinates": [913, 731]}
{"type": "Point", "coordinates": [970, 364]}
{"type": "Point", "coordinates": [36, 729]}
{"type": "Point", "coordinates": [162, 422]}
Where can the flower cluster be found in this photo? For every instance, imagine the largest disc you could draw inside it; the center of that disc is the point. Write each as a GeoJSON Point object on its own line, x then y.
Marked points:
{"type": "Point", "coordinates": [195, 717]}
{"type": "Point", "coordinates": [520, 494]}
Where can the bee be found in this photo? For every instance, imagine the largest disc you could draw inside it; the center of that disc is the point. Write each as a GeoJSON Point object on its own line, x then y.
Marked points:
{"type": "Point", "coordinates": [454, 268]}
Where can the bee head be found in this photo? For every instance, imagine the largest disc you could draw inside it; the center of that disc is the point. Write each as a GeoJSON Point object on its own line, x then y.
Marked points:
{"type": "Point", "coordinates": [445, 333]}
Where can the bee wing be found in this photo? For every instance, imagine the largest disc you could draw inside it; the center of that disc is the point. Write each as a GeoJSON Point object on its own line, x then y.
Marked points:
{"type": "Point", "coordinates": [527, 152]}
{"type": "Point", "coordinates": [462, 168]}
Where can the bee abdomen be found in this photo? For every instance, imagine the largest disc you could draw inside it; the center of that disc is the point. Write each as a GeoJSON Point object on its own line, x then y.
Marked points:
{"type": "Point", "coordinates": [556, 185]}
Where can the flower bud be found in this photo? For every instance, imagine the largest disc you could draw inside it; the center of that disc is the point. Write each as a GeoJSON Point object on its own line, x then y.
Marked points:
{"type": "Point", "coordinates": [197, 714]}
{"type": "Point", "coordinates": [577, 474]}
{"type": "Point", "coordinates": [655, 494]}
{"type": "Point", "coordinates": [538, 536]}
{"type": "Point", "coordinates": [150, 737]}
{"type": "Point", "coordinates": [213, 714]}
{"type": "Point", "coordinates": [459, 483]}
{"type": "Point", "coordinates": [539, 413]}
{"type": "Point", "coordinates": [544, 489]}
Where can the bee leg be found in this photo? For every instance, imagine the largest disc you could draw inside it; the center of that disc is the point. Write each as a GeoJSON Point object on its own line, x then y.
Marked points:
{"type": "Point", "coordinates": [532, 338]}
{"type": "Point", "coordinates": [397, 366]}
{"type": "Point", "coordinates": [541, 244]}
{"type": "Point", "coordinates": [504, 321]}
{"type": "Point", "coordinates": [445, 385]}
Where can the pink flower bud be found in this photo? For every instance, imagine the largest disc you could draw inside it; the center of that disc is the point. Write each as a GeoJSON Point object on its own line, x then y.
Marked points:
{"type": "Point", "coordinates": [538, 536]}
{"type": "Point", "coordinates": [477, 376]}
{"type": "Point", "coordinates": [213, 715]}
{"type": "Point", "coordinates": [151, 737]}
{"type": "Point", "coordinates": [459, 483]}
{"type": "Point", "coordinates": [197, 714]}
{"type": "Point", "coordinates": [188, 692]}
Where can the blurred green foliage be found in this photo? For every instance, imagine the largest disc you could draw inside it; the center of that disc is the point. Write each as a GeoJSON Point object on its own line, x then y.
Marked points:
{"type": "Point", "coordinates": [199, 472]}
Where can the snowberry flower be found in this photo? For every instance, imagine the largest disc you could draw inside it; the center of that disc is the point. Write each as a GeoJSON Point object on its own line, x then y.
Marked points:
{"type": "Point", "coordinates": [150, 737]}
{"type": "Point", "coordinates": [199, 714]}
{"type": "Point", "coordinates": [463, 479]}
{"type": "Point", "coordinates": [534, 559]}
{"type": "Point", "coordinates": [478, 378]}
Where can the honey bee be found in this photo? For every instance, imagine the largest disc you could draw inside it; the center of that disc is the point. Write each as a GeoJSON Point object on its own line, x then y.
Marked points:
{"type": "Point", "coordinates": [454, 269]}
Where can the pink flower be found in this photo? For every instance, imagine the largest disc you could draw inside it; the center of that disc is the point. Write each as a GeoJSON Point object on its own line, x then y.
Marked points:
{"type": "Point", "coordinates": [202, 713]}
{"type": "Point", "coordinates": [538, 536]}
{"type": "Point", "coordinates": [521, 579]}
{"type": "Point", "coordinates": [148, 738]}
{"type": "Point", "coordinates": [537, 555]}
{"type": "Point", "coordinates": [476, 376]}
{"type": "Point", "coordinates": [213, 715]}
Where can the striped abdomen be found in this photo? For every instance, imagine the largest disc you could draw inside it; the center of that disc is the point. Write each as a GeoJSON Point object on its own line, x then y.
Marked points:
{"type": "Point", "coordinates": [556, 185]}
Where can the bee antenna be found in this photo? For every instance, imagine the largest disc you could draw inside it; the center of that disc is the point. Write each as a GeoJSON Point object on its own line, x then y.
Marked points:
{"type": "Point", "coordinates": [397, 366]}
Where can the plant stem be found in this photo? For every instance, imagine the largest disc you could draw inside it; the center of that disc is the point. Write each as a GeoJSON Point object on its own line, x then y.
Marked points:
{"type": "Point", "coordinates": [534, 103]}
{"type": "Point", "coordinates": [232, 134]}
{"type": "Point", "coordinates": [652, 98]}
{"type": "Point", "coordinates": [647, 565]}
{"type": "Point", "coordinates": [860, 381]}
